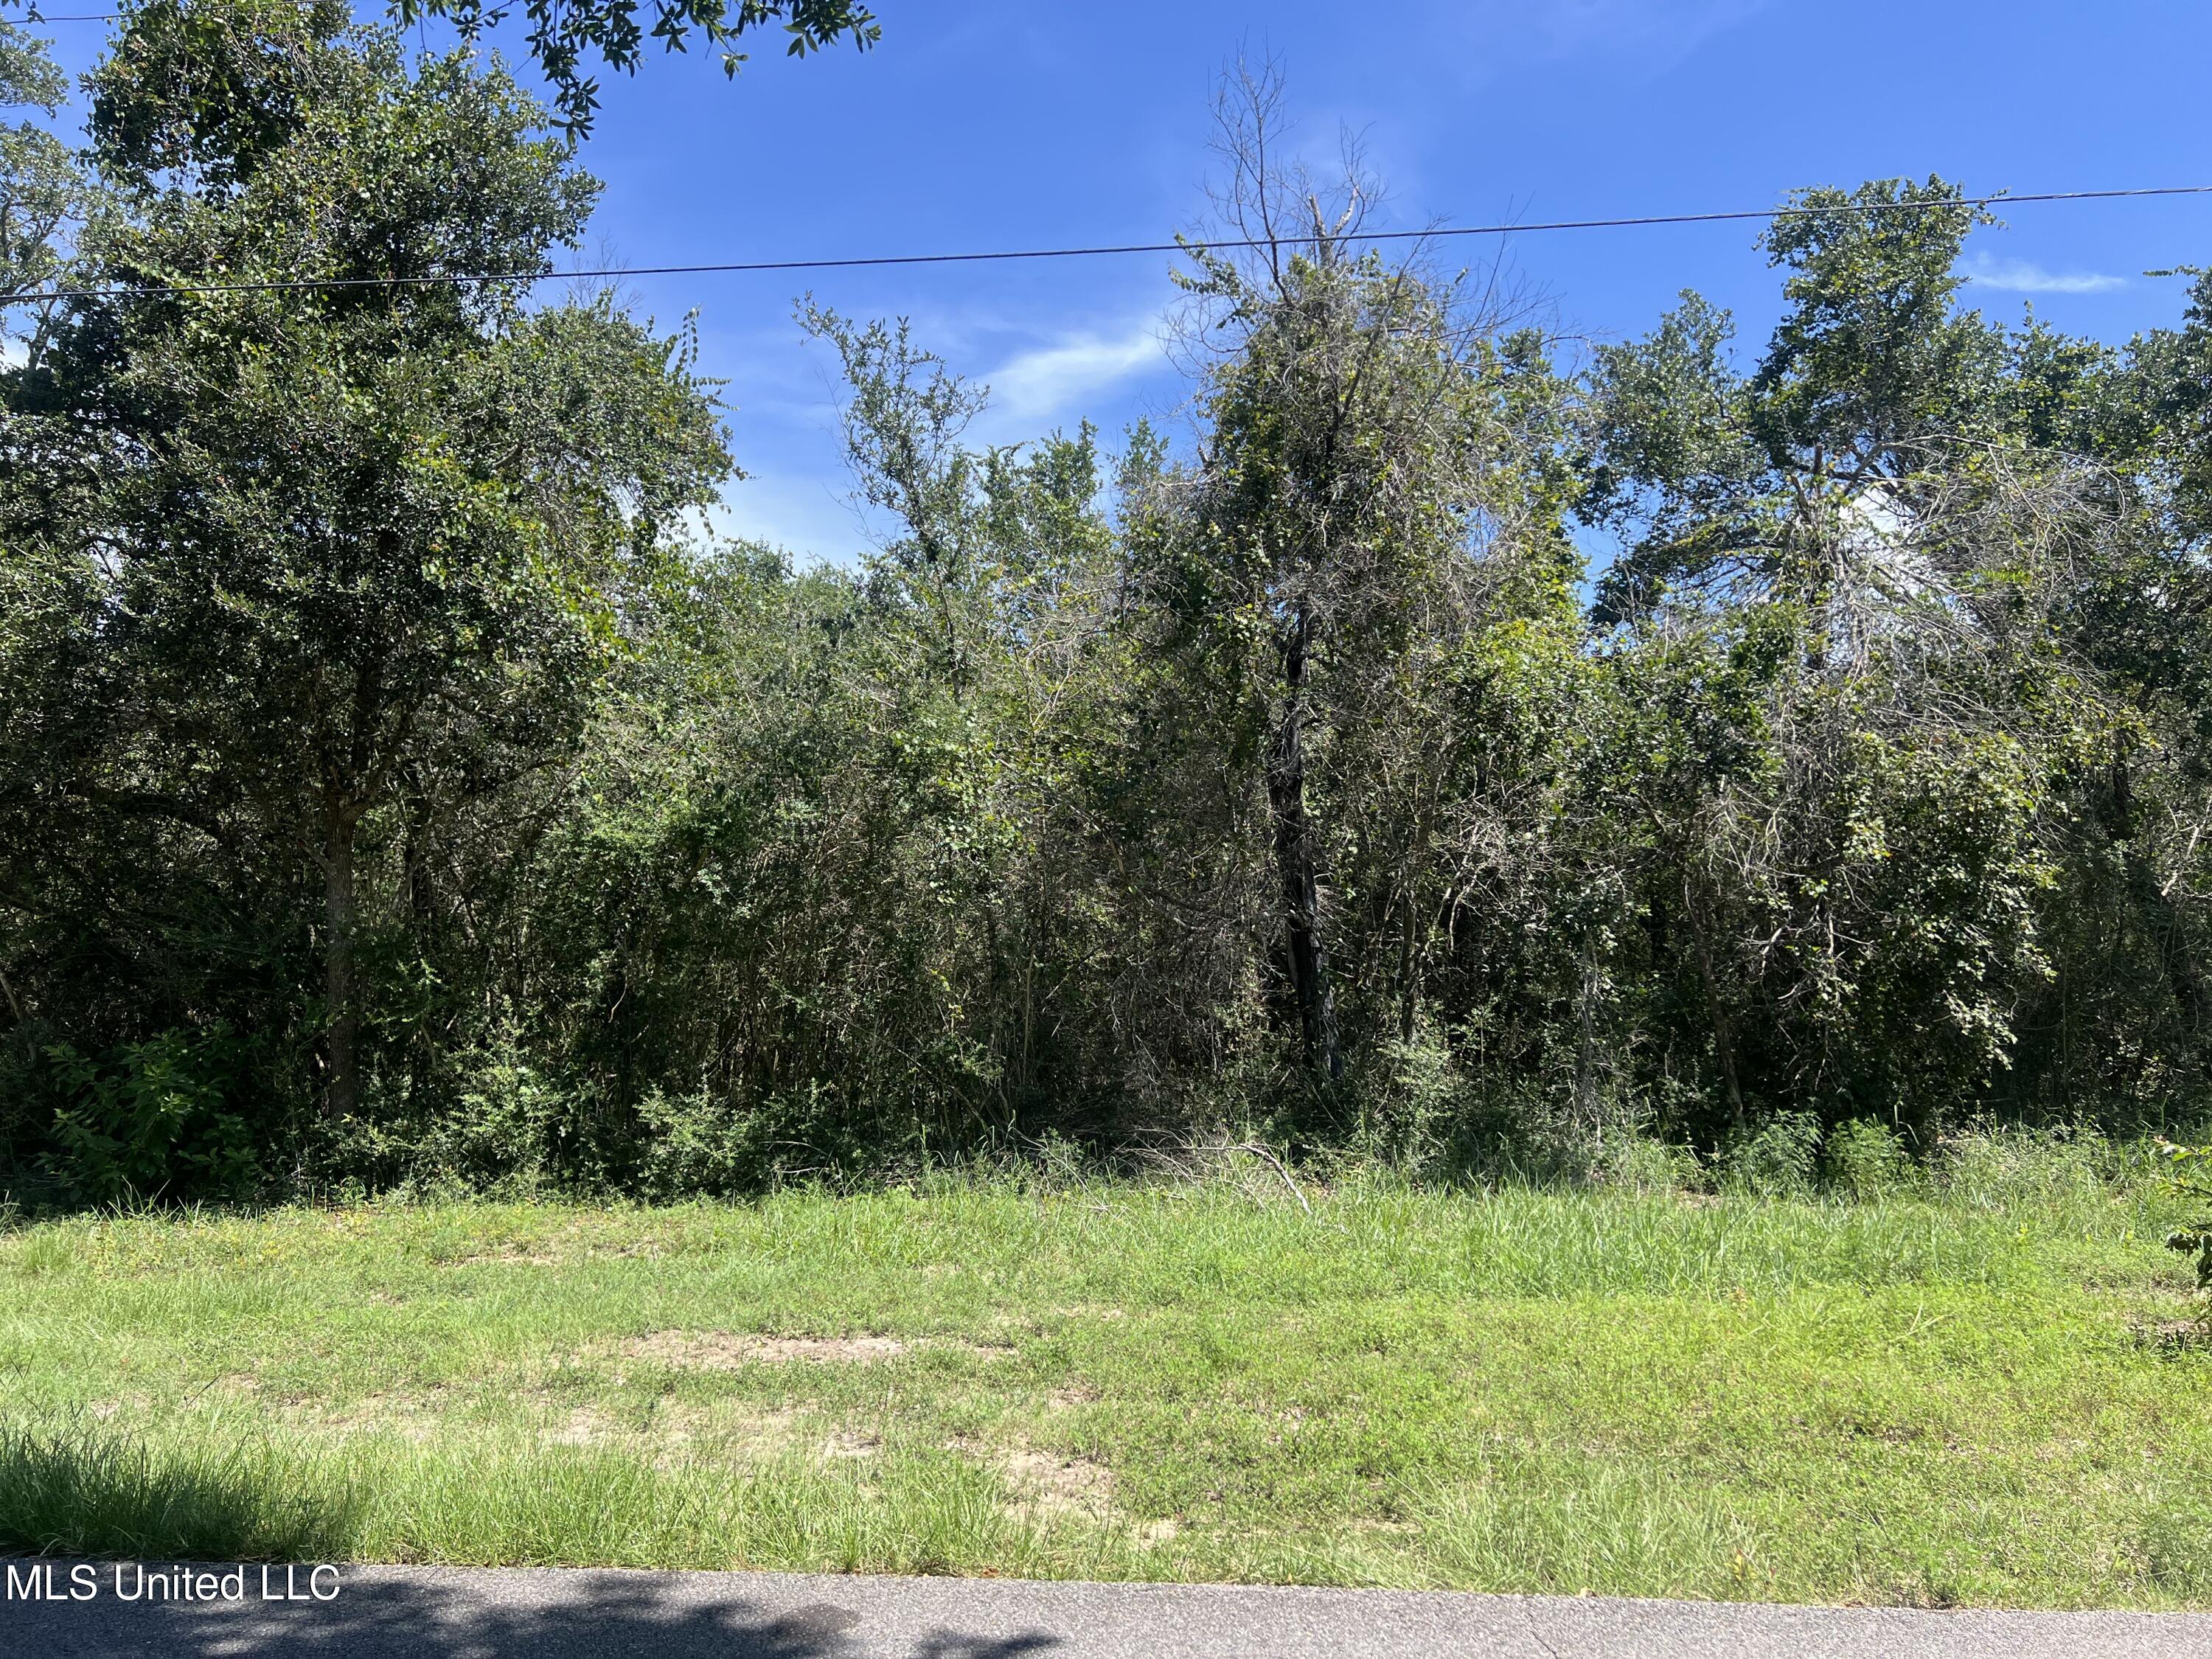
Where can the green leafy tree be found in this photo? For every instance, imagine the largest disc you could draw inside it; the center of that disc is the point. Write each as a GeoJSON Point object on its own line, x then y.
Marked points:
{"type": "Point", "coordinates": [347, 557]}
{"type": "Point", "coordinates": [1808, 479]}
{"type": "Point", "coordinates": [42, 188]}
{"type": "Point", "coordinates": [565, 37]}
{"type": "Point", "coordinates": [1355, 513]}
{"type": "Point", "coordinates": [1879, 515]}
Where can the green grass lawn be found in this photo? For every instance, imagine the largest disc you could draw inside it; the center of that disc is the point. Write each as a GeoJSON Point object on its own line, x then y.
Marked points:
{"type": "Point", "coordinates": [1957, 1399]}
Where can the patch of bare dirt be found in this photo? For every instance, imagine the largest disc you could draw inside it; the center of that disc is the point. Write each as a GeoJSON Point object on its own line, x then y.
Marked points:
{"type": "Point", "coordinates": [583, 1427]}
{"type": "Point", "coordinates": [674, 1429]}
{"type": "Point", "coordinates": [976, 1349]}
{"type": "Point", "coordinates": [1055, 1486]}
{"type": "Point", "coordinates": [1052, 1485]}
{"type": "Point", "coordinates": [728, 1350]}
{"type": "Point", "coordinates": [749, 1433]}
{"type": "Point", "coordinates": [409, 1415]}
{"type": "Point", "coordinates": [763, 1429]}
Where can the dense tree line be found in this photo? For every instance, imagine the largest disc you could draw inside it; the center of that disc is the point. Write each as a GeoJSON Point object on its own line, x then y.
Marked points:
{"type": "Point", "coordinates": [1443, 751]}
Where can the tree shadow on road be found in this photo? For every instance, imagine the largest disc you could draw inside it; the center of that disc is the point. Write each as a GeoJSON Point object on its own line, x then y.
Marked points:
{"type": "Point", "coordinates": [81, 1491]}
{"type": "Point", "coordinates": [568, 1615]}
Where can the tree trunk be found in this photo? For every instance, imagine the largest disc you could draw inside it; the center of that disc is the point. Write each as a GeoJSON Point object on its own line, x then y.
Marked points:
{"type": "Point", "coordinates": [342, 1040]}
{"type": "Point", "coordinates": [2169, 932]}
{"type": "Point", "coordinates": [2162, 917]}
{"type": "Point", "coordinates": [1408, 966]}
{"type": "Point", "coordinates": [1724, 1043]}
{"type": "Point", "coordinates": [1299, 866]}
{"type": "Point", "coordinates": [1411, 931]}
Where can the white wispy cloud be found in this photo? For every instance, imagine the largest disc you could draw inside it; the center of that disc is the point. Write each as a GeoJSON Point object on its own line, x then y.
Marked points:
{"type": "Point", "coordinates": [2020, 277]}
{"type": "Point", "coordinates": [1050, 378]}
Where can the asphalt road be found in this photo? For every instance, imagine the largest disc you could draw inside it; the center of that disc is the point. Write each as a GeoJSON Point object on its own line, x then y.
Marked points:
{"type": "Point", "coordinates": [399, 1612]}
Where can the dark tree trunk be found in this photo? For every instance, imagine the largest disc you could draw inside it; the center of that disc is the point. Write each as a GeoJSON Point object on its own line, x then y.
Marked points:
{"type": "Point", "coordinates": [1724, 1040]}
{"type": "Point", "coordinates": [2162, 917]}
{"type": "Point", "coordinates": [2169, 934]}
{"type": "Point", "coordinates": [1298, 861]}
{"type": "Point", "coordinates": [1409, 983]}
{"type": "Point", "coordinates": [342, 1039]}
{"type": "Point", "coordinates": [1411, 934]}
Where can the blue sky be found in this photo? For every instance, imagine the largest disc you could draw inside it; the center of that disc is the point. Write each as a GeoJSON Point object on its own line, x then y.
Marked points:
{"type": "Point", "coordinates": [1027, 123]}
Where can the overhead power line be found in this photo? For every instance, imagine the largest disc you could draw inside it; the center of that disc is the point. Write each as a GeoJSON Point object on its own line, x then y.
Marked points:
{"type": "Point", "coordinates": [879, 260]}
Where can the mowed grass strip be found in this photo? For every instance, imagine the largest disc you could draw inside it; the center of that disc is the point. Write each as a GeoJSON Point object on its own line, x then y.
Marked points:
{"type": "Point", "coordinates": [1960, 1398]}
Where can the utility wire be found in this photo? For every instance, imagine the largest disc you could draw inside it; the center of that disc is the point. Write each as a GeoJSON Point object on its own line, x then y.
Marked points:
{"type": "Point", "coordinates": [874, 261]}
